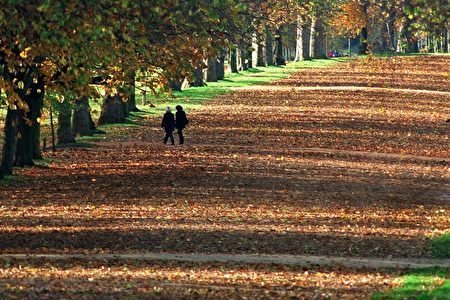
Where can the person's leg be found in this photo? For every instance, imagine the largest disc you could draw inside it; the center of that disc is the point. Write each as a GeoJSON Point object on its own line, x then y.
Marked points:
{"type": "Point", "coordinates": [166, 137]}
{"type": "Point", "coordinates": [180, 135]}
{"type": "Point", "coordinates": [172, 139]}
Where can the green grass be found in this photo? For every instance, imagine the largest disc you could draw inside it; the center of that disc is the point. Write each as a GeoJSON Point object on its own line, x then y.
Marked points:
{"type": "Point", "coordinates": [193, 97]}
{"type": "Point", "coordinates": [440, 246]}
{"type": "Point", "coordinates": [421, 284]}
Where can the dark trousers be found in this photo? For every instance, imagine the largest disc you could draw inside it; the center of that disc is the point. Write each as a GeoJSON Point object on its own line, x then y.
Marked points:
{"type": "Point", "coordinates": [180, 135]}
{"type": "Point", "coordinates": [169, 134]}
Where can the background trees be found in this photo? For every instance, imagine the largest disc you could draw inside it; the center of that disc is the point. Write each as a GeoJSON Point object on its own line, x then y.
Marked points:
{"type": "Point", "coordinates": [59, 55]}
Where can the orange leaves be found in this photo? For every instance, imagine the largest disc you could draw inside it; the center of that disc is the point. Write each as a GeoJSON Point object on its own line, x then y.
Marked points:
{"type": "Point", "coordinates": [350, 20]}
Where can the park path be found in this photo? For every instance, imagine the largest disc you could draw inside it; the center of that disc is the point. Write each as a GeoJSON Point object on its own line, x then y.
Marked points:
{"type": "Point", "coordinates": [279, 259]}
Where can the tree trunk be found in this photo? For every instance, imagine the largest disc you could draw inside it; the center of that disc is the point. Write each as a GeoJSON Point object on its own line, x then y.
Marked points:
{"type": "Point", "coordinates": [198, 77]}
{"type": "Point", "coordinates": [250, 56]}
{"type": "Point", "coordinates": [211, 75]}
{"type": "Point", "coordinates": [320, 50]}
{"type": "Point", "coordinates": [299, 41]}
{"type": "Point", "coordinates": [25, 141]}
{"type": "Point", "coordinates": [10, 142]}
{"type": "Point", "coordinates": [244, 53]}
{"type": "Point", "coordinates": [132, 99]}
{"type": "Point", "coordinates": [260, 57]}
{"type": "Point", "coordinates": [233, 60]}
{"type": "Point", "coordinates": [306, 37]}
{"type": "Point", "coordinates": [112, 110]}
{"type": "Point", "coordinates": [64, 131]}
{"type": "Point", "coordinates": [220, 67]}
{"type": "Point", "coordinates": [82, 120]}
{"type": "Point", "coordinates": [28, 147]}
{"type": "Point", "coordinates": [312, 37]}
{"type": "Point", "coordinates": [175, 84]}
{"type": "Point", "coordinates": [364, 44]}
{"type": "Point", "coordinates": [445, 39]}
{"type": "Point", "coordinates": [269, 48]}
{"type": "Point", "coordinates": [279, 59]}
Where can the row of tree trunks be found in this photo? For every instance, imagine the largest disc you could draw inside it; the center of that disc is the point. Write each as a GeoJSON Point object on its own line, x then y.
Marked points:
{"type": "Point", "coordinates": [22, 126]}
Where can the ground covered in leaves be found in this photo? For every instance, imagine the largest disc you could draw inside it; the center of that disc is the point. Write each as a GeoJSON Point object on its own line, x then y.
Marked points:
{"type": "Point", "coordinates": [324, 172]}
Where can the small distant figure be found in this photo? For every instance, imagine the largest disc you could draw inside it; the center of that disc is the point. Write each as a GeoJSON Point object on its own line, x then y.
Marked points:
{"type": "Point", "coordinates": [181, 122]}
{"type": "Point", "coordinates": [168, 123]}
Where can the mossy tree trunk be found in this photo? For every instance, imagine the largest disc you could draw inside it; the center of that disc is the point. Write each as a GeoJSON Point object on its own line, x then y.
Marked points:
{"type": "Point", "coordinates": [64, 132]}
{"type": "Point", "coordinates": [82, 119]}
{"type": "Point", "coordinates": [220, 67]}
{"type": "Point", "coordinates": [211, 75]}
{"type": "Point", "coordinates": [112, 110]}
{"type": "Point", "coordinates": [199, 79]}
{"type": "Point", "coordinates": [234, 60]}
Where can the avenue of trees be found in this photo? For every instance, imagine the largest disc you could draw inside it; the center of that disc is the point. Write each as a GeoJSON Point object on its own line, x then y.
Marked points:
{"type": "Point", "coordinates": [56, 55]}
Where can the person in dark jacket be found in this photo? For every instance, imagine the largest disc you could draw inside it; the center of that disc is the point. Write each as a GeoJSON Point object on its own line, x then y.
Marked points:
{"type": "Point", "coordinates": [168, 123]}
{"type": "Point", "coordinates": [181, 122]}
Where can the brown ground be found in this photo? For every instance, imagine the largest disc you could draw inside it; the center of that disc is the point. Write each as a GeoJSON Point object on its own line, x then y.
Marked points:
{"type": "Point", "coordinates": [259, 174]}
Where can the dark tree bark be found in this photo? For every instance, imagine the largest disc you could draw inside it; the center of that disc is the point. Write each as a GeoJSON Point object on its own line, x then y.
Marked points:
{"type": "Point", "coordinates": [260, 55]}
{"type": "Point", "coordinates": [64, 132]}
{"type": "Point", "coordinates": [132, 99]}
{"type": "Point", "coordinates": [198, 77]}
{"type": "Point", "coordinates": [112, 110]}
{"type": "Point", "coordinates": [10, 142]}
{"type": "Point", "coordinates": [445, 39]}
{"type": "Point", "coordinates": [211, 75]}
{"type": "Point", "coordinates": [175, 84]}
{"type": "Point", "coordinates": [320, 44]}
{"type": "Point", "coordinates": [364, 44]}
{"type": "Point", "coordinates": [220, 67]}
{"type": "Point", "coordinates": [279, 59]}
{"type": "Point", "coordinates": [233, 60]}
{"type": "Point", "coordinates": [82, 119]}
{"type": "Point", "coordinates": [250, 56]}
{"type": "Point", "coordinates": [269, 48]}
{"type": "Point", "coordinates": [244, 58]}
{"type": "Point", "coordinates": [28, 146]}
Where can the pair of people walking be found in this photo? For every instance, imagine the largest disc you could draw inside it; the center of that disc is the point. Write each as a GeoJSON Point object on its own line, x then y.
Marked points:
{"type": "Point", "coordinates": [170, 122]}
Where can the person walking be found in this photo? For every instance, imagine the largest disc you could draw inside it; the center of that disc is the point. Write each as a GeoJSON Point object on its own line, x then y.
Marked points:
{"type": "Point", "coordinates": [181, 122]}
{"type": "Point", "coordinates": [168, 123]}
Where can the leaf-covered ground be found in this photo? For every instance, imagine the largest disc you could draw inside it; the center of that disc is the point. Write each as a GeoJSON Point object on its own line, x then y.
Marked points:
{"type": "Point", "coordinates": [346, 173]}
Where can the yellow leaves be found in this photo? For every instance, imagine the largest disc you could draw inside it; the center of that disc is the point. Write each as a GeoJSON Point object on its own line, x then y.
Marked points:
{"type": "Point", "coordinates": [20, 85]}
{"type": "Point", "coordinates": [24, 53]}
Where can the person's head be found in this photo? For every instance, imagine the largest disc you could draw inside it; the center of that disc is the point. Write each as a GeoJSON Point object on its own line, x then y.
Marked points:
{"type": "Point", "coordinates": [178, 107]}
{"type": "Point", "coordinates": [167, 109]}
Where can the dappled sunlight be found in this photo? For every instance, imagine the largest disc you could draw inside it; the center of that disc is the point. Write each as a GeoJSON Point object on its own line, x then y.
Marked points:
{"type": "Point", "coordinates": [163, 279]}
